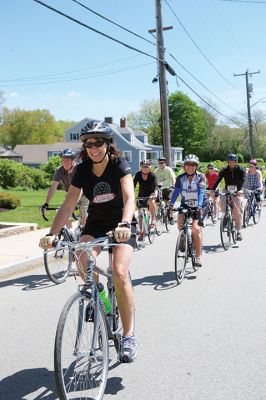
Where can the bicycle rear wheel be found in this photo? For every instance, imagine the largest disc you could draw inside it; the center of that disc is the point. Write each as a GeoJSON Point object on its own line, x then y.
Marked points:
{"type": "Point", "coordinates": [225, 232]}
{"type": "Point", "coordinates": [140, 236]}
{"type": "Point", "coordinates": [81, 353]}
{"type": "Point", "coordinates": [211, 212]}
{"type": "Point", "coordinates": [58, 263]}
{"type": "Point", "coordinates": [256, 215]}
{"type": "Point", "coordinates": [246, 215]}
{"type": "Point", "coordinates": [180, 257]}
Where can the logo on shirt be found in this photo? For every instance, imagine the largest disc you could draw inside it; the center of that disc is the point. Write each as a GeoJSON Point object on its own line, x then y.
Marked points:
{"type": "Point", "coordinates": [102, 193]}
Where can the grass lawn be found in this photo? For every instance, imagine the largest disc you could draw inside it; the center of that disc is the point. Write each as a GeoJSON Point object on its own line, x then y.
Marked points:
{"type": "Point", "coordinates": [28, 212]}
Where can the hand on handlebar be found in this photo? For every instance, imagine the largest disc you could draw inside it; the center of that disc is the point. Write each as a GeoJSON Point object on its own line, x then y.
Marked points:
{"type": "Point", "coordinates": [44, 206]}
{"type": "Point", "coordinates": [46, 242]}
{"type": "Point", "coordinates": [122, 233]}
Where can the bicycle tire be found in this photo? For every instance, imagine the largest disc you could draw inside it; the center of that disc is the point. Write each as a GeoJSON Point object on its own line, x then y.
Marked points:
{"type": "Point", "coordinates": [180, 257]}
{"type": "Point", "coordinates": [151, 233]}
{"type": "Point", "coordinates": [212, 213]}
{"type": "Point", "coordinates": [166, 221]}
{"type": "Point", "coordinates": [246, 215]}
{"type": "Point", "coordinates": [233, 232]}
{"type": "Point", "coordinates": [159, 222]}
{"type": "Point", "coordinates": [57, 263]}
{"type": "Point", "coordinates": [225, 232]}
{"type": "Point", "coordinates": [256, 215]}
{"type": "Point", "coordinates": [80, 370]}
{"type": "Point", "coordinates": [140, 243]}
{"type": "Point", "coordinates": [193, 257]}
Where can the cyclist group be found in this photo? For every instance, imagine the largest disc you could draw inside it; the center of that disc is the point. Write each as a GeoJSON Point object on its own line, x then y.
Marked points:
{"type": "Point", "coordinates": [104, 179]}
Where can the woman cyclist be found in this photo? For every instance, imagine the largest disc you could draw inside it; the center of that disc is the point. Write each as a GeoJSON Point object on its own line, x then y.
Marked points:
{"type": "Point", "coordinates": [106, 181]}
{"type": "Point", "coordinates": [191, 186]}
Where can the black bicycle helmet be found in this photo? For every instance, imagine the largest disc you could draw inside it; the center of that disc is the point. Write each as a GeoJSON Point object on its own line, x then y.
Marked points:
{"type": "Point", "coordinates": [162, 159]}
{"type": "Point", "coordinates": [191, 158]}
{"type": "Point", "coordinates": [145, 162]}
{"type": "Point", "coordinates": [210, 165]}
{"type": "Point", "coordinates": [232, 157]}
{"type": "Point", "coordinates": [96, 130]}
{"type": "Point", "coordinates": [68, 153]}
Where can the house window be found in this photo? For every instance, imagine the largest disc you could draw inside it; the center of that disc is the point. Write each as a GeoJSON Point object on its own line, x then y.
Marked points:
{"type": "Point", "coordinates": [142, 155]}
{"type": "Point", "coordinates": [74, 136]}
{"type": "Point", "coordinates": [127, 155]}
{"type": "Point", "coordinates": [53, 153]}
{"type": "Point", "coordinates": [152, 155]}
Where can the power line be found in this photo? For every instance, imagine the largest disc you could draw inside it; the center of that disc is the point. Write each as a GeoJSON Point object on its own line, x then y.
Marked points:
{"type": "Point", "coordinates": [205, 87]}
{"type": "Point", "coordinates": [215, 109]}
{"type": "Point", "coordinates": [95, 75]}
{"type": "Point", "coordinates": [201, 52]}
{"type": "Point", "coordinates": [112, 22]}
{"type": "Point", "coordinates": [95, 30]}
{"type": "Point", "coordinates": [66, 72]}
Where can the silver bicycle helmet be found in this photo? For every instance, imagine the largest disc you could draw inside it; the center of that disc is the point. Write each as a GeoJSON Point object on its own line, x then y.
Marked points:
{"type": "Point", "coordinates": [191, 158]}
{"type": "Point", "coordinates": [68, 153]}
{"type": "Point", "coordinates": [96, 130]}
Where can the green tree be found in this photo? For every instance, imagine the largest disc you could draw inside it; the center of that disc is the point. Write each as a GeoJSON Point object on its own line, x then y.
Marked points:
{"type": "Point", "coordinates": [52, 164]}
{"type": "Point", "coordinates": [188, 123]}
{"type": "Point", "coordinates": [27, 127]}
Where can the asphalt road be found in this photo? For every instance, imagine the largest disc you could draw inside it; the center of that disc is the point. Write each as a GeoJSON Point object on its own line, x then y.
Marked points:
{"type": "Point", "coordinates": [202, 340]}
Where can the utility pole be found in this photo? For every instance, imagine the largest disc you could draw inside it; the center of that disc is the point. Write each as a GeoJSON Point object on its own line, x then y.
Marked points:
{"type": "Point", "coordinates": [163, 83]}
{"type": "Point", "coordinates": [249, 91]}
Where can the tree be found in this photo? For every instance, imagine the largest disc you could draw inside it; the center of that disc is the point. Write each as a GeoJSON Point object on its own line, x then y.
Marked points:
{"type": "Point", "coordinates": [148, 120]}
{"type": "Point", "coordinates": [27, 127]}
{"type": "Point", "coordinates": [188, 123]}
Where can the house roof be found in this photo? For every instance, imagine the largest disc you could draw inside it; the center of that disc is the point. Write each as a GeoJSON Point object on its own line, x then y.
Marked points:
{"type": "Point", "coordinates": [38, 153]}
{"type": "Point", "coordinates": [136, 143]}
{"type": "Point", "coordinates": [10, 153]}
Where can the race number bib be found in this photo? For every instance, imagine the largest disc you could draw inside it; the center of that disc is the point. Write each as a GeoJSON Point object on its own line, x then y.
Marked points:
{"type": "Point", "coordinates": [192, 203]}
{"type": "Point", "coordinates": [232, 188]}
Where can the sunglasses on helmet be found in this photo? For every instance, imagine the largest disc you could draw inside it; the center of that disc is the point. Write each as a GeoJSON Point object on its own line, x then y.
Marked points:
{"type": "Point", "coordinates": [89, 145]}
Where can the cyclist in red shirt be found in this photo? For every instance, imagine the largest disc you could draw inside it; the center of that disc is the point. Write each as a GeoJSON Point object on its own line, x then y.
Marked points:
{"type": "Point", "coordinates": [211, 176]}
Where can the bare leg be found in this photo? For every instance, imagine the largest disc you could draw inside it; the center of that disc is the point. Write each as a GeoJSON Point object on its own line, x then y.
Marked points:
{"type": "Point", "coordinates": [197, 238]}
{"type": "Point", "coordinates": [125, 298]}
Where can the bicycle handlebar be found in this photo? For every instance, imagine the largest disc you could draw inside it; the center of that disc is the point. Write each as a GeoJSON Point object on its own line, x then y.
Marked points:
{"type": "Point", "coordinates": [42, 211]}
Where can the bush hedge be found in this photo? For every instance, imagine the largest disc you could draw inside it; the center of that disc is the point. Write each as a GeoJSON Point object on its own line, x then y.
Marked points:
{"type": "Point", "coordinates": [9, 201]}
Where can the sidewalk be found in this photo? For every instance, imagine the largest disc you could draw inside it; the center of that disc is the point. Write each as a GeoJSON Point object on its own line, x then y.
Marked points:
{"type": "Point", "coordinates": [20, 252]}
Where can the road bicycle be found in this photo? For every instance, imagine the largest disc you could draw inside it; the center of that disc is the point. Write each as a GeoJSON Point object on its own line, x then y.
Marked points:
{"type": "Point", "coordinates": [162, 212]}
{"type": "Point", "coordinates": [208, 212]}
{"type": "Point", "coordinates": [144, 226]}
{"type": "Point", "coordinates": [85, 332]}
{"type": "Point", "coordinates": [59, 263]}
{"type": "Point", "coordinates": [185, 250]}
{"type": "Point", "coordinates": [251, 210]}
{"type": "Point", "coordinates": [228, 230]}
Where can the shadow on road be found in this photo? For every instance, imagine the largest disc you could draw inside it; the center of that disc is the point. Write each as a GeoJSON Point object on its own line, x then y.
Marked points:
{"type": "Point", "coordinates": [37, 383]}
{"type": "Point", "coordinates": [216, 248]}
{"type": "Point", "coordinates": [160, 282]}
{"type": "Point", "coordinates": [30, 282]}
{"type": "Point", "coordinates": [114, 385]}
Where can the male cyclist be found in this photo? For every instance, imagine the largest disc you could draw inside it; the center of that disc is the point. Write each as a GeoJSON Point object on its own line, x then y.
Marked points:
{"type": "Point", "coordinates": [165, 177]}
{"type": "Point", "coordinates": [64, 174]}
{"type": "Point", "coordinates": [148, 187]}
{"type": "Point", "coordinates": [254, 181]}
{"type": "Point", "coordinates": [234, 176]}
{"type": "Point", "coordinates": [191, 186]}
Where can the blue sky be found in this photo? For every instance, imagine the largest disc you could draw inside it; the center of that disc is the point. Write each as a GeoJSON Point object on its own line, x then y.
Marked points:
{"type": "Point", "coordinates": [108, 79]}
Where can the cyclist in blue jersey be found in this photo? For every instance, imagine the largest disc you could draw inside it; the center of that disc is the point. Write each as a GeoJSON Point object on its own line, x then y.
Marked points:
{"type": "Point", "coordinates": [191, 186]}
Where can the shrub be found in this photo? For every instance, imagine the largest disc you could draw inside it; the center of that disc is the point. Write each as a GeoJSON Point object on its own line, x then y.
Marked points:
{"type": "Point", "coordinates": [240, 158]}
{"type": "Point", "coordinates": [9, 201]}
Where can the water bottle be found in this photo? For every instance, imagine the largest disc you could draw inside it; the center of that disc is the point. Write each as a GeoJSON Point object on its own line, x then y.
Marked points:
{"type": "Point", "coordinates": [104, 297]}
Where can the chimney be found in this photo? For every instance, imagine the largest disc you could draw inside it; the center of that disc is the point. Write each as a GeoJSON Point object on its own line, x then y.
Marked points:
{"type": "Point", "coordinates": [108, 120]}
{"type": "Point", "coordinates": [123, 122]}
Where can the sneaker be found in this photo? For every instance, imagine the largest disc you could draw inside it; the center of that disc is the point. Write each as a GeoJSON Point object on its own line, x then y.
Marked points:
{"type": "Point", "coordinates": [215, 220]}
{"type": "Point", "coordinates": [171, 220]}
{"type": "Point", "coordinates": [140, 238]}
{"type": "Point", "coordinates": [128, 349]}
{"type": "Point", "coordinates": [239, 236]}
{"type": "Point", "coordinates": [198, 262]}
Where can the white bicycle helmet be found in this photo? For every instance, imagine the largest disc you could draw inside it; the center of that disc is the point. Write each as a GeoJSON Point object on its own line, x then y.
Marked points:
{"type": "Point", "coordinates": [191, 158]}
{"type": "Point", "coordinates": [96, 130]}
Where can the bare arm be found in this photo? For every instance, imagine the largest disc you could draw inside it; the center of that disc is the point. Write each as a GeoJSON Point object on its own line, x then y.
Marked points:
{"type": "Point", "coordinates": [52, 189]}
{"type": "Point", "coordinates": [128, 197]}
{"type": "Point", "coordinates": [65, 210]}
{"type": "Point", "coordinates": [260, 180]}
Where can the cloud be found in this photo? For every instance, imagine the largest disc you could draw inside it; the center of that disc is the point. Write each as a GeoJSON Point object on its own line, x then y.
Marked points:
{"type": "Point", "coordinates": [73, 94]}
{"type": "Point", "coordinates": [13, 94]}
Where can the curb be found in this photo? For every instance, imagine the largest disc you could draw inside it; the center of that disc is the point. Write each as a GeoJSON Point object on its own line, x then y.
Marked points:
{"type": "Point", "coordinates": [20, 266]}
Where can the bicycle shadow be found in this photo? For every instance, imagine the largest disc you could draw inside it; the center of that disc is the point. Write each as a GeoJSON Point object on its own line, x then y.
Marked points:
{"type": "Point", "coordinates": [30, 282]}
{"type": "Point", "coordinates": [36, 382]}
{"type": "Point", "coordinates": [114, 385]}
{"type": "Point", "coordinates": [160, 282]}
{"type": "Point", "coordinates": [216, 248]}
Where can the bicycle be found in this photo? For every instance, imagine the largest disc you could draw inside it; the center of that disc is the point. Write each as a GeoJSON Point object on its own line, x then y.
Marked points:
{"type": "Point", "coordinates": [251, 209]}
{"type": "Point", "coordinates": [185, 249]}
{"type": "Point", "coordinates": [144, 226]}
{"type": "Point", "coordinates": [228, 230]}
{"type": "Point", "coordinates": [58, 262]}
{"type": "Point", "coordinates": [208, 209]}
{"type": "Point", "coordinates": [81, 351]}
{"type": "Point", "coordinates": [162, 213]}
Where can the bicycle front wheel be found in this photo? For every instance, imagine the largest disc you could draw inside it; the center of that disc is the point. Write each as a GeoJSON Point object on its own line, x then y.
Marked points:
{"type": "Point", "coordinates": [246, 215]}
{"type": "Point", "coordinates": [159, 222]}
{"type": "Point", "coordinates": [225, 231]}
{"type": "Point", "coordinates": [180, 257]}
{"type": "Point", "coordinates": [256, 215]}
{"type": "Point", "coordinates": [151, 233]}
{"type": "Point", "coordinates": [81, 353]}
{"type": "Point", "coordinates": [58, 263]}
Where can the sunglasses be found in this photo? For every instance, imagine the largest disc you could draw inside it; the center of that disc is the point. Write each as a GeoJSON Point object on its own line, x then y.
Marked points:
{"type": "Point", "coordinates": [210, 168]}
{"type": "Point", "coordinates": [89, 145]}
{"type": "Point", "coordinates": [161, 162]}
{"type": "Point", "coordinates": [252, 166]}
{"type": "Point", "coordinates": [145, 166]}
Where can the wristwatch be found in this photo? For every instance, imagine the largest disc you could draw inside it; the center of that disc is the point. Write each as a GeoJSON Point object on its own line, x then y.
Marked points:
{"type": "Point", "coordinates": [124, 224]}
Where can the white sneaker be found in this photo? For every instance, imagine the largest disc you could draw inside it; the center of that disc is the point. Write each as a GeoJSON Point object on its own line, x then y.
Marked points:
{"type": "Point", "coordinates": [198, 262]}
